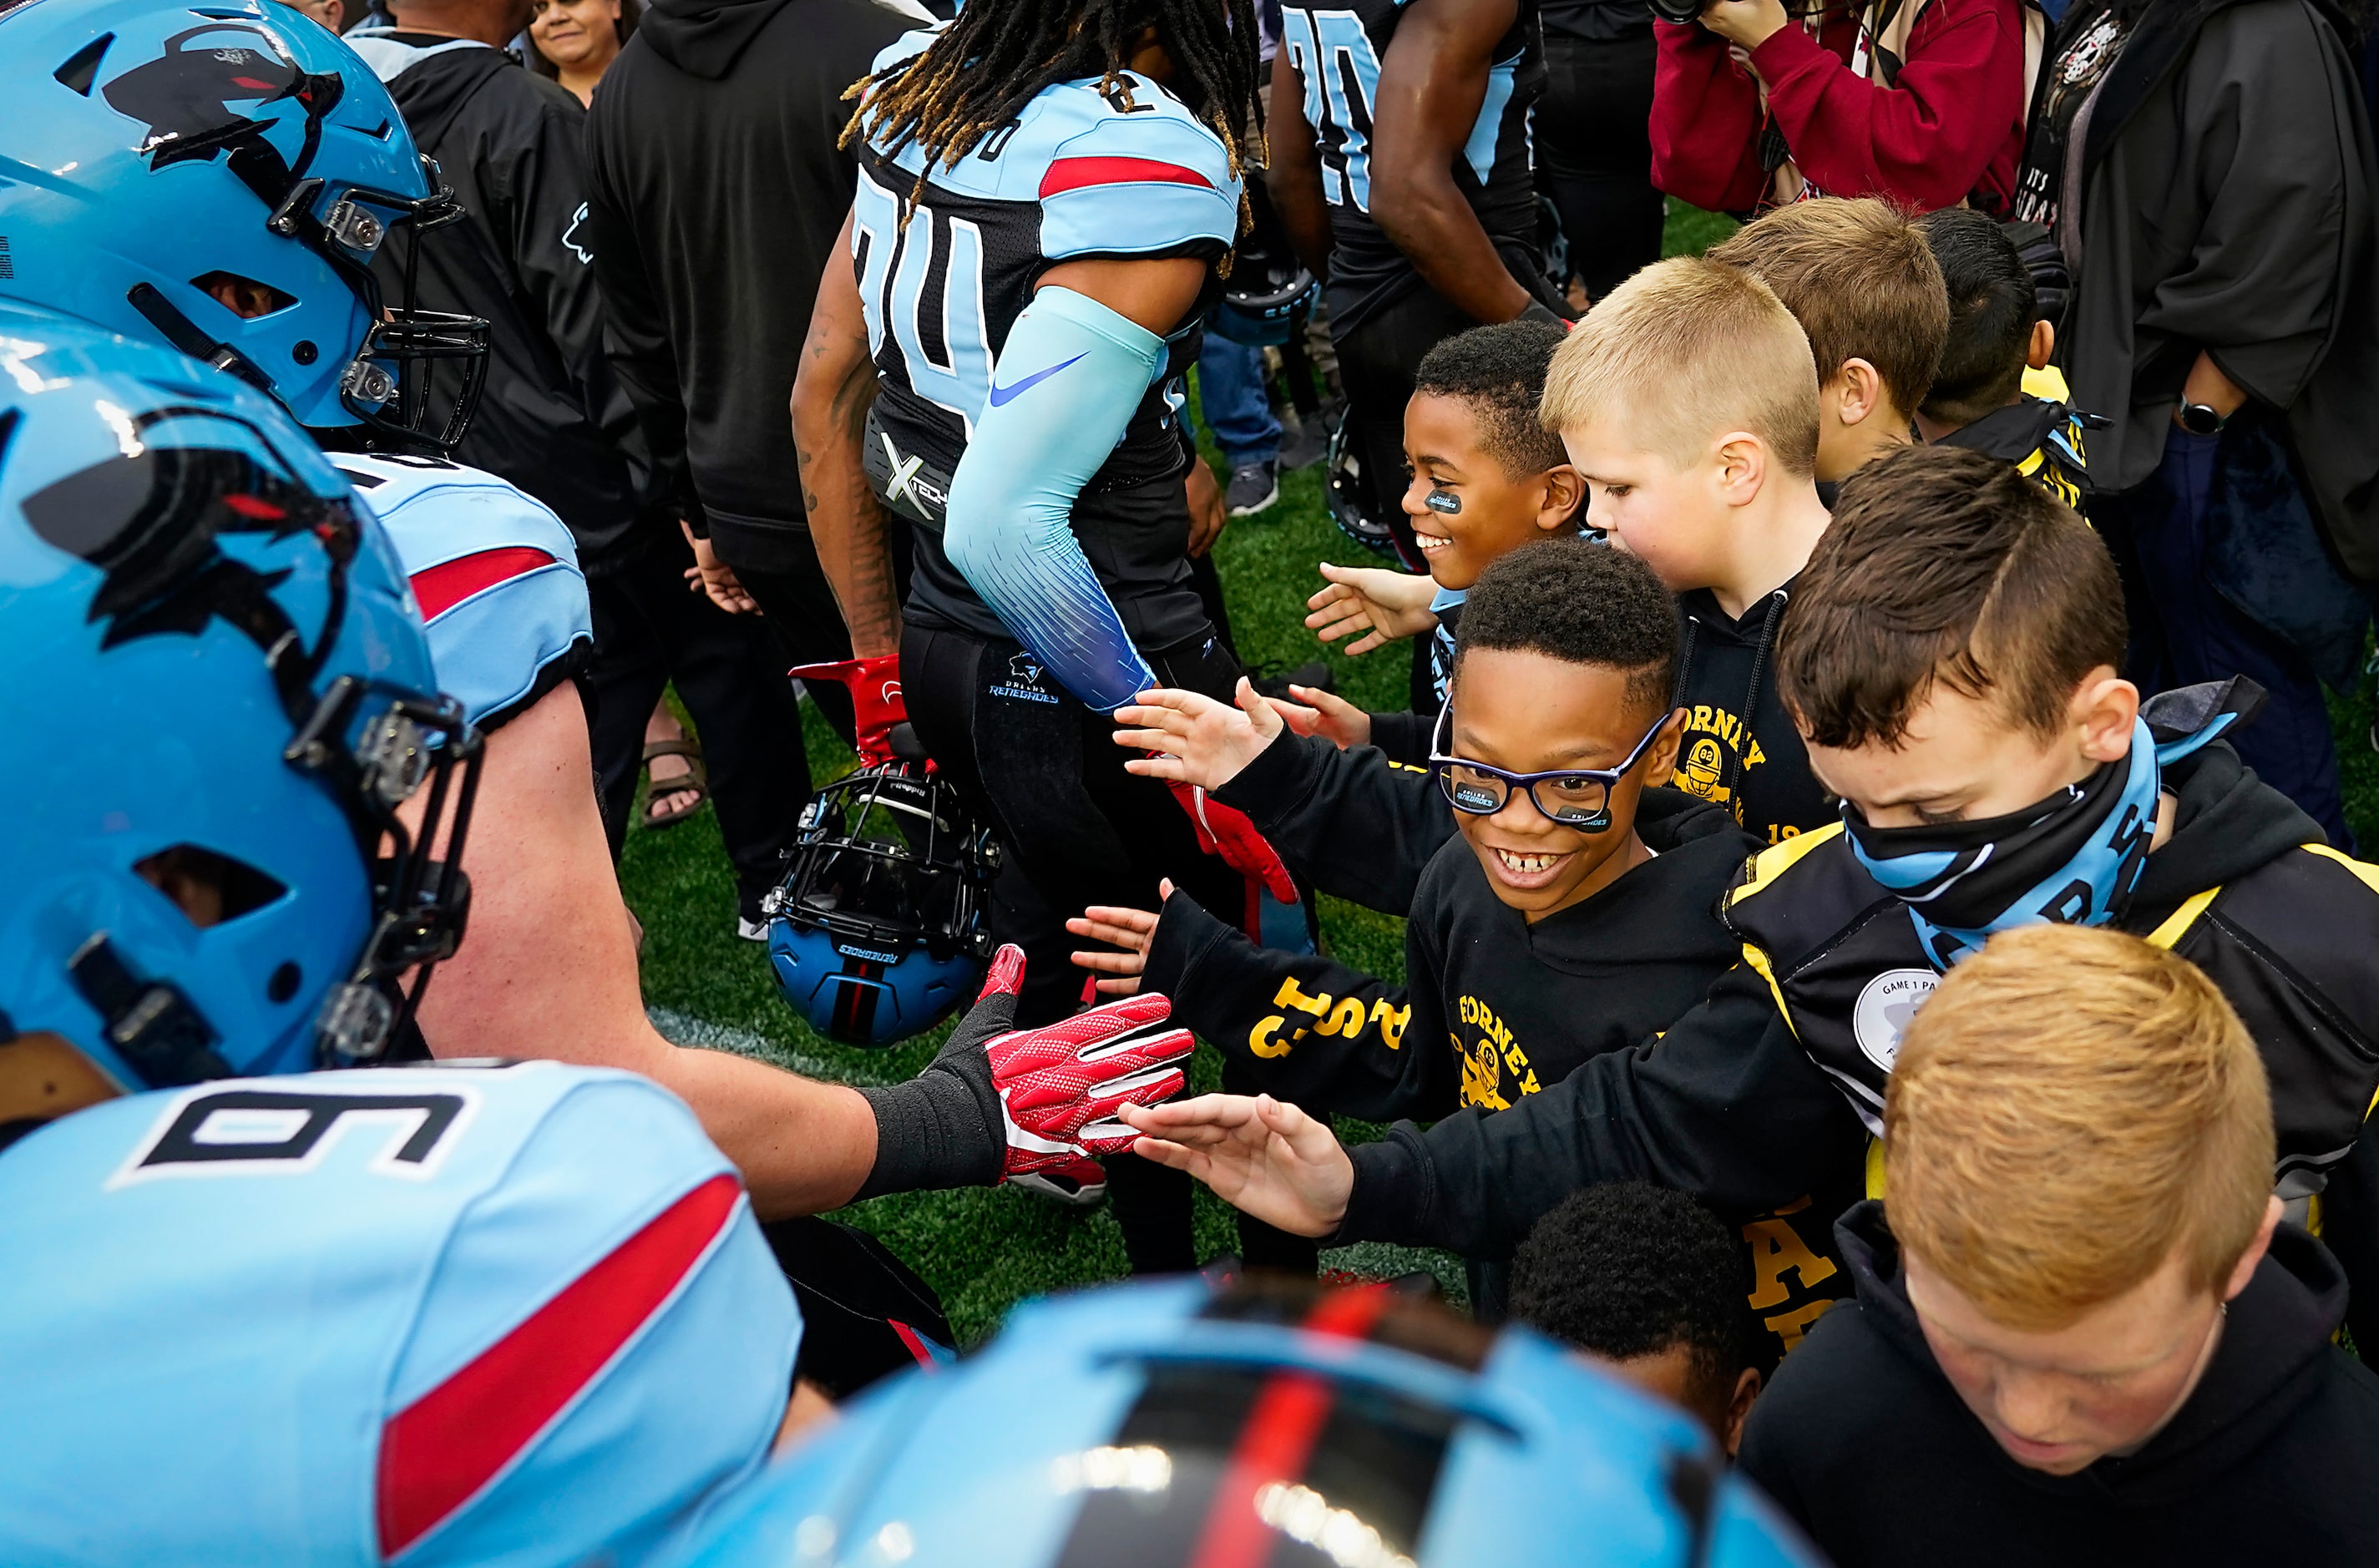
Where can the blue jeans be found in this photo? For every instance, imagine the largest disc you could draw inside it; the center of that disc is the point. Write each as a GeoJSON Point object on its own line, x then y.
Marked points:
{"type": "Point", "coordinates": [2180, 519]}
{"type": "Point", "coordinates": [1231, 391]}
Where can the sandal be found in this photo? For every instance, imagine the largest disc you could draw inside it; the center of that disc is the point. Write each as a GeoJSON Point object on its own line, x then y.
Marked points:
{"type": "Point", "coordinates": [696, 782]}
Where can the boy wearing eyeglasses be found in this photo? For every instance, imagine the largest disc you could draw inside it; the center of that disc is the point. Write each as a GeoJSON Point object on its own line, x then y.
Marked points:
{"type": "Point", "coordinates": [1573, 915]}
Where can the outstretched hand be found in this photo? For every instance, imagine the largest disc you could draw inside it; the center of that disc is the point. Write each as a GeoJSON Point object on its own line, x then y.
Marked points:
{"type": "Point", "coordinates": [1134, 931]}
{"type": "Point", "coordinates": [1326, 714]}
{"type": "Point", "coordinates": [1385, 605]}
{"type": "Point", "coordinates": [1265, 1158]}
{"type": "Point", "coordinates": [1200, 740]}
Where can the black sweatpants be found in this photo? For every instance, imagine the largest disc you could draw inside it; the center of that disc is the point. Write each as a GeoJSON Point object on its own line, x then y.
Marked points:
{"type": "Point", "coordinates": [1594, 154]}
{"type": "Point", "coordinates": [651, 630]}
{"type": "Point", "coordinates": [1077, 830]}
{"type": "Point", "coordinates": [1377, 360]}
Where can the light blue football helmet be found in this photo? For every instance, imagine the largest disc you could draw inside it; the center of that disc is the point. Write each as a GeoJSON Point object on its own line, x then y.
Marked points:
{"type": "Point", "coordinates": [1147, 1426]}
{"type": "Point", "coordinates": [154, 153]}
{"type": "Point", "coordinates": [217, 697]}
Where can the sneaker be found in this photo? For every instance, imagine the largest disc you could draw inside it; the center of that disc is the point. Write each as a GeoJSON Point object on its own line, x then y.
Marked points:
{"type": "Point", "coordinates": [751, 920]}
{"type": "Point", "coordinates": [1253, 487]}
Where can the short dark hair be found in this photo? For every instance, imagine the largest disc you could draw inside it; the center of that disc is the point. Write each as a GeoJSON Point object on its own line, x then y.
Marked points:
{"type": "Point", "coordinates": [1630, 1269]}
{"type": "Point", "coordinates": [1992, 308]}
{"type": "Point", "coordinates": [1580, 603]}
{"type": "Point", "coordinates": [1499, 372]}
{"type": "Point", "coordinates": [1944, 564]}
{"type": "Point", "coordinates": [1857, 276]}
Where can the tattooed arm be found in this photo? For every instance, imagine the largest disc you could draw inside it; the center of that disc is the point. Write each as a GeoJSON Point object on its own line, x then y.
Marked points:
{"type": "Point", "coordinates": [850, 526]}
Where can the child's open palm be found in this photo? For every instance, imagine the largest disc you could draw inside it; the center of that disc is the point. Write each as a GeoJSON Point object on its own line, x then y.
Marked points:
{"type": "Point", "coordinates": [1193, 739]}
{"type": "Point", "coordinates": [1132, 930]}
{"type": "Point", "coordinates": [1261, 1156]}
{"type": "Point", "coordinates": [1385, 605]}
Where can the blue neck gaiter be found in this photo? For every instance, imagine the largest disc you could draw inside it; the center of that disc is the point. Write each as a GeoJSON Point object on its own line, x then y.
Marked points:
{"type": "Point", "coordinates": [2071, 859]}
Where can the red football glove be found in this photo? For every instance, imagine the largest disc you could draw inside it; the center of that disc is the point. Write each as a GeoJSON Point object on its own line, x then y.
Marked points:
{"type": "Point", "coordinates": [1225, 831]}
{"type": "Point", "coordinates": [1059, 1086]}
{"type": "Point", "coordinates": [875, 687]}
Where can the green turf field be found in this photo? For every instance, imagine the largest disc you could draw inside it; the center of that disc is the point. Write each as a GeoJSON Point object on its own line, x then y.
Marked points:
{"type": "Point", "coordinates": [984, 1249]}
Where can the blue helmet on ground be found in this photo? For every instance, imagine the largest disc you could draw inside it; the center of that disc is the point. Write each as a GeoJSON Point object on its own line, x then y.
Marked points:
{"type": "Point", "coordinates": [219, 696]}
{"type": "Point", "coordinates": [1271, 1422]}
{"type": "Point", "coordinates": [218, 178]}
{"type": "Point", "coordinates": [877, 932]}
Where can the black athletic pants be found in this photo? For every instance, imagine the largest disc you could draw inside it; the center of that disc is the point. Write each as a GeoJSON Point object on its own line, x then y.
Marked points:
{"type": "Point", "coordinates": [651, 630]}
{"type": "Point", "coordinates": [1077, 830]}
{"type": "Point", "coordinates": [1377, 360]}
{"type": "Point", "coordinates": [1594, 154]}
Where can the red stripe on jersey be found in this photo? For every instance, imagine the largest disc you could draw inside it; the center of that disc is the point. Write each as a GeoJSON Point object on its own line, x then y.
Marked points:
{"type": "Point", "coordinates": [439, 1452]}
{"type": "Point", "coordinates": [439, 588]}
{"type": "Point", "coordinates": [1073, 174]}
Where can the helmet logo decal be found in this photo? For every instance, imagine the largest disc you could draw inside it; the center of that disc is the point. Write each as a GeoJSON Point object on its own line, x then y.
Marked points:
{"type": "Point", "coordinates": [183, 96]}
{"type": "Point", "coordinates": [149, 518]}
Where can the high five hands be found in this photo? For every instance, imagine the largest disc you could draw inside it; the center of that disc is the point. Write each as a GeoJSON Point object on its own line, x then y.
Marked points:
{"type": "Point", "coordinates": [1194, 739]}
{"type": "Point", "coordinates": [1261, 1156]}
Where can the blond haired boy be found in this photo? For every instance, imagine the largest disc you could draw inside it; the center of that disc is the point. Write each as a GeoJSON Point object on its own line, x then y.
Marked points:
{"type": "Point", "coordinates": [1688, 402]}
{"type": "Point", "coordinates": [2080, 1333]}
{"type": "Point", "coordinates": [1863, 282]}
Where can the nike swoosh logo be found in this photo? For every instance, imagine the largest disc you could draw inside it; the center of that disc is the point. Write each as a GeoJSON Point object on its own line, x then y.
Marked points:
{"type": "Point", "coordinates": [1002, 395]}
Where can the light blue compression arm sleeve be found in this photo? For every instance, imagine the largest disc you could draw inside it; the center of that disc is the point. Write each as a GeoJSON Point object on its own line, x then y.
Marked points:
{"type": "Point", "coordinates": [1064, 391]}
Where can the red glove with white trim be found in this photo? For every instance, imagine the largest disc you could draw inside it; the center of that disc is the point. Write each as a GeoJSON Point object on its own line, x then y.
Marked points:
{"type": "Point", "coordinates": [1226, 831]}
{"type": "Point", "coordinates": [999, 1102]}
{"type": "Point", "coordinates": [875, 687]}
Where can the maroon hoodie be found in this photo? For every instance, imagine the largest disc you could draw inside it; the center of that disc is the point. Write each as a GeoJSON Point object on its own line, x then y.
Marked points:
{"type": "Point", "coordinates": [1950, 126]}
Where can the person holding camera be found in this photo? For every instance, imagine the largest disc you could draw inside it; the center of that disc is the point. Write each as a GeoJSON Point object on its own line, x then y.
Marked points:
{"type": "Point", "coordinates": [1756, 102]}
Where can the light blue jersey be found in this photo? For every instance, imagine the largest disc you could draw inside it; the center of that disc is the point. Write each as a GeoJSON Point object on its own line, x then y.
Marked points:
{"type": "Point", "coordinates": [496, 575]}
{"type": "Point", "coordinates": [1006, 421]}
{"type": "Point", "coordinates": [515, 1315]}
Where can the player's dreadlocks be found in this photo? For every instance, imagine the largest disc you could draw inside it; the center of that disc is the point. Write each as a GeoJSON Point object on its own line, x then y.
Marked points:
{"type": "Point", "coordinates": [998, 54]}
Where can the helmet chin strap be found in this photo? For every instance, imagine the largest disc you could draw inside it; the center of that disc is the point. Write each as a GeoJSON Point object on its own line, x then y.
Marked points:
{"type": "Point", "coordinates": [185, 336]}
{"type": "Point", "coordinates": [153, 1024]}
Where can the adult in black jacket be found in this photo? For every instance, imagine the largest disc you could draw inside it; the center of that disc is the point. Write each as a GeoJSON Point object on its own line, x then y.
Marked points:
{"type": "Point", "coordinates": [715, 190]}
{"type": "Point", "coordinates": [1862, 1441]}
{"type": "Point", "coordinates": [556, 420]}
{"type": "Point", "coordinates": [2205, 168]}
{"type": "Point", "coordinates": [553, 420]}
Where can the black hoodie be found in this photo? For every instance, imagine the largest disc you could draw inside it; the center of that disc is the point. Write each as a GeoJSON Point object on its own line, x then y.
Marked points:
{"type": "Point", "coordinates": [1520, 1005]}
{"type": "Point", "coordinates": [553, 419]}
{"type": "Point", "coordinates": [716, 190]}
{"type": "Point", "coordinates": [2273, 1458]}
{"type": "Point", "coordinates": [1757, 1096]}
{"type": "Point", "coordinates": [1740, 748]}
{"type": "Point", "coordinates": [1361, 823]}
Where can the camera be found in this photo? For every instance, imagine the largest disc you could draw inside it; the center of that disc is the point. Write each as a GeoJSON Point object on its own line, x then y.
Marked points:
{"type": "Point", "coordinates": [1678, 11]}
